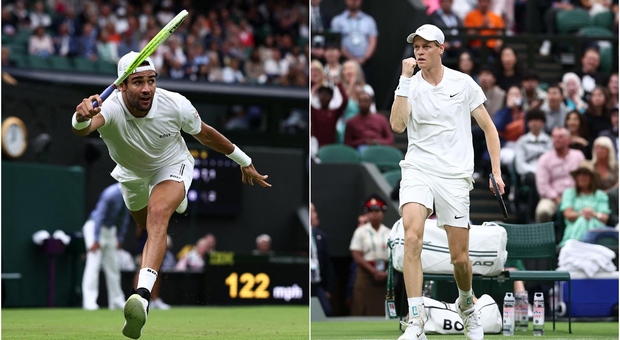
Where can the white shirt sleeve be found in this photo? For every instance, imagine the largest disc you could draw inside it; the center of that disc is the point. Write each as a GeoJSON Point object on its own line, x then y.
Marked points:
{"type": "Point", "coordinates": [476, 95]}
{"type": "Point", "coordinates": [190, 119]}
{"type": "Point", "coordinates": [357, 241]}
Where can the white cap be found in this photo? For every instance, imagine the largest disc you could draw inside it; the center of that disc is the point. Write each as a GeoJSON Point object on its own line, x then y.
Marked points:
{"type": "Point", "coordinates": [429, 33]}
{"type": "Point", "coordinates": [128, 58]}
{"type": "Point", "coordinates": [40, 236]}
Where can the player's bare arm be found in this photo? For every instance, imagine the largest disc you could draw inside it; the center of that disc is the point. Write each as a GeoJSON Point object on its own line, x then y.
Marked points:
{"type": "Point", "coordinates": [84, 113]}
{"type": "Point", "coordinates": [215, 140]}
{"type": "Point", "coordinates": [401, 109]}
{"type": "Point", "coordinates": [492, 138]}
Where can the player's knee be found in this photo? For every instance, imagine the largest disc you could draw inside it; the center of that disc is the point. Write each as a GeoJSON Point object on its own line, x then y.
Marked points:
{"type": "Point", "coordinates": [413, 243]}
{"type": "Point", "coordinates": [460, 259]}
{"type": "Point", "coordinates": [159, 214]}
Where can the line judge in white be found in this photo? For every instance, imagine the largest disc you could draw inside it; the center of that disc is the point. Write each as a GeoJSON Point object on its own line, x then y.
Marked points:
{"type": "Point", "coordinates": [141, 126]}
{"type": "Point", "coordinates": [435, 107]}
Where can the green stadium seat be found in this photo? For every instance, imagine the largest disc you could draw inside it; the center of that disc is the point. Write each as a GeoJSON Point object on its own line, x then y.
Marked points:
{"type": "Point", "coordinates": [392, 177]}
{"type": "Point", "coordinates": [105, 67]}
{"type": "Point", "coordinates": [60, 63]}
{"type": "Point", "coordinates": [38, 62]}
{"type": "Point", "coordinates": [595, 31]}
{"type": "Point", "coordinates": [338, 153]}
{"type": "Point", "coordinates": [606, 59]}
{"type": "Point", "coordinates": [84, 65]}
{"type": "Point", "coordinates": [385, 157]}
{"type": "Point", "coordinates": [604, 19]}
{"type": "Point", "coordinates": [571, 21]}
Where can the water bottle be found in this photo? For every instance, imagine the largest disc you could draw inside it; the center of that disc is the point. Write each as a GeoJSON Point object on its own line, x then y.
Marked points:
{"type": "Point", "coordinates": [539, 314]}
{"type": "Point", "coordinates": [509, 314]}
{"type": "Point", "coordinates": [521, 304]}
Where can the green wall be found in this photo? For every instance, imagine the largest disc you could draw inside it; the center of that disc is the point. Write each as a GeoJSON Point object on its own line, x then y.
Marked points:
{"type": "Point", "coordinates": [39, 197]}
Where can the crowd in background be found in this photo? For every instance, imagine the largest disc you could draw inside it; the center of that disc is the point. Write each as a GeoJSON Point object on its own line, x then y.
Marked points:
{"type": "Point", "coordinates": [256, 42]}
{"type": "Point", "coordinates": [559, 137]}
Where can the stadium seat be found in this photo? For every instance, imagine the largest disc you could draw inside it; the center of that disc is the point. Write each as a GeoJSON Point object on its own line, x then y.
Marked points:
{"type": "Point", "coordinates": [392, 177]}
{"type": "Point", "coordinates": [60, 63]}
{"type": "Point", "coordinates": [338, 153]}
{"type": "Point", "coordinates": [571, 21]}
{"type": "Point", "coordinates": [38, 62]}
{"type": "Point", "coordinates": [603, 19]}
{"type": "Point", "coordinates": [385, 157]}
{"type": "Point", "coordinates": [84, 65]}
{"type": "Point", "coordinates": [595, 31]}
{"type": "Point", "coordinates": [106, 67]}
{"type": "Point", "coordinates": [606, 59]}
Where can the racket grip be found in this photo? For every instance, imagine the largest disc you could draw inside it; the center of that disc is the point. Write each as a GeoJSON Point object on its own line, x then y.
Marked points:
{"type": "Point", "coordinates": [105, 94]}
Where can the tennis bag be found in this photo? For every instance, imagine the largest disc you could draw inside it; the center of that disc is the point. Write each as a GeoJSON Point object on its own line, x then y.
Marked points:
{"type": "Point", "coordinates": [487, 248]}
{"type": "Point", "coordinates": [442, 318]}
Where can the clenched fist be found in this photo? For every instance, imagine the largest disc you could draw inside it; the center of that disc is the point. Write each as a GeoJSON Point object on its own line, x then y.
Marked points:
{"type": "Point", "coordinates": [409, 65]}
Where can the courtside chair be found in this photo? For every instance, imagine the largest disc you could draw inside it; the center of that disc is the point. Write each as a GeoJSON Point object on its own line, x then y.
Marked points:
{"type": "Point", "coordinates": [569, 22]}
{"type": "Point", "coordinates": [536, 241]}
{"type": "Point", "coordinates": [338, 153]}
{"type": "Point", "coordinates": [385, 157]}
{"type": "Point", "coordinates": [392, 177]}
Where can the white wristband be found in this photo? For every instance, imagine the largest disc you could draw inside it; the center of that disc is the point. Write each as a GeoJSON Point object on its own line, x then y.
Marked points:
{"type": "Point", "coordinates": [403, 87]}
{"type": "Point", "coordinates": [240, 157]}
{"type": "Point", "coordinates": [79, 125]}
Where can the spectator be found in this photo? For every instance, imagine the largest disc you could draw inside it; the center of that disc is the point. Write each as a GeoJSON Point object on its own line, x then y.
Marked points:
{"type": "Point", "coordinates": [333, 67]}
{"type": "Point", "coordinates": [231, 73]}
{"type": "Point", "coordinates": [324, 119]}
{"type": "Point", "coordinates": [508, 70]}
{"type": "Point", "coordinates": [571, 85]}
{"type": "Point", "coordinates": [550, 10]}
{"type": "Point", "coordinates": [9, 21]}
{"type": "Point", "coordinates": [612, 86]}
{"type": "Point", "coordinates": [366, 129]}
{"type": "Point", "coordinates": [529, 148]}
{"type": "Point", "coordinates": [554, 108]}
{"type": "Point", "coordinates": [40, 43]}
{"type": "Point", "coordinates": [128, 43]}
{"type": "Point", "coordinates": [481, 21]}
{"type": "Point", "coordinates": [605, 163]}
{"type": "Point", "coordinates": [320, 18]}
{"type": "Point", "coordinates": [39, 17]}
{"type": "Point", "coordinates": [254, 70]}
{"type": "Point", "coordinates": [6, 57]}
{"type": "Point", "coordinates": [598, 113]}
{"type": "Point", "coordinates": [263, 246]}
{"type": "Point", "coordinates": [467, 66]}
{"type": "Point", "coordinates": [450, 24]}
{"type": "Point", "coordinates": [106, 50]}
{"type": "Point", "coordinates": [575, 123]}
{"type": "Point", "coordinates": [355, 82]}
{"type": "Point", "coordinates": [612, 133]}
{"type": "Point", "coordinates": [64, 43]}
{"type": "Point", "coordinates": [588, 72]}
{"type": "Point", "coordinates": [553, 174]}
{"type": "Point", "coordinates": [194, 259]}
{"type": "Point", "coordinates": [369, 251]}
{"type": "Point", "coordinates": [103, 238]}
{"type": "Point", "coordinates": [583, 206]}
{"type": "Point", "coordinates": [510, 124]}
{"type": "Point", "coordinates": [495, 95]}
{"type": "Point", "coordinates": [359, 34]}
{"type": "Point", "coordinates": [87, 42]}
{"type": "Point", "coordinates": [532, 95]}
{"type": "Point", "coordinates": [321, 267]}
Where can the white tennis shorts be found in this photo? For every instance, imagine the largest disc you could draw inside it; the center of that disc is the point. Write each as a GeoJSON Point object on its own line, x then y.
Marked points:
{"type": "Point", "coordinates": [136, 192]}
{"type": "Point", "coordinates": [450, 195]}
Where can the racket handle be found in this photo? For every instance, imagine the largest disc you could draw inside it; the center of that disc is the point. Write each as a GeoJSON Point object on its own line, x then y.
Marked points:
{"type": "Point", "coordinates": [105, 94]}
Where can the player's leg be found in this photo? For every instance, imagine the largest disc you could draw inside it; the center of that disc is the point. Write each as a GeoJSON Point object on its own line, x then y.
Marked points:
{"type": "Point", "coordinates": [90, 279]}
{"type": "Point", "coordinates": [111, 269]}
{"type": "Point", "coordinates": [415, 198]}
{"type": "Point", "coordinates": [452, 204]}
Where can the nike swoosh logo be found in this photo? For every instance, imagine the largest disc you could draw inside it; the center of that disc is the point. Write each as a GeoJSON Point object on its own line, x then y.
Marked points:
{"type": "Point", "coordinates": [453, 95]}
{"type": "Point", "coordinates": [456, 218]}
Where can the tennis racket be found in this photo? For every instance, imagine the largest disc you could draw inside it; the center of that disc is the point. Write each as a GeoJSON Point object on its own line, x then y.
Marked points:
{"type": "Point", "coordinates": [145, 53]}
{"type": "Point", "coordinates": [500, 200]}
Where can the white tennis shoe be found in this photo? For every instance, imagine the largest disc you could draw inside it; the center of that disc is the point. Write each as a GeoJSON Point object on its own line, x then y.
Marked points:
{"type": "Point", "coordinates": [414, 331]}
{"type": "Point", "coordinates": [471, 319]}
{"type": "Point", "coordinates": [135, 316]}
{"type": "Point", "coordinates": [183, 206]}
{"type": "Point", "coordinates": [159, 304]}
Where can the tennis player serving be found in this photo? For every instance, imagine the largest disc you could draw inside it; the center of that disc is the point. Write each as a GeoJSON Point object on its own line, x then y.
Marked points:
{"type": "Point", "coordinates": [435, 106]}
{"type": "Point", "coordinates": [141, 126]}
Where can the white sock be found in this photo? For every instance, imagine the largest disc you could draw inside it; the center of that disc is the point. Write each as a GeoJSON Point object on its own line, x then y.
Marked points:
{"type": "Point", "coordinates": [416, 307]}
{"type": "Point", "coordinates": [147, 278]}
{"type": "Point", "coordinates": [466, 298]}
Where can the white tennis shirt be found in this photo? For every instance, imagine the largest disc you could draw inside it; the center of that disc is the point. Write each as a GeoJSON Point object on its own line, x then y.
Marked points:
{"type": "Point", "coordinates": [439, 126]}
{"type": "Point", "coordinates": [142, 146]}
